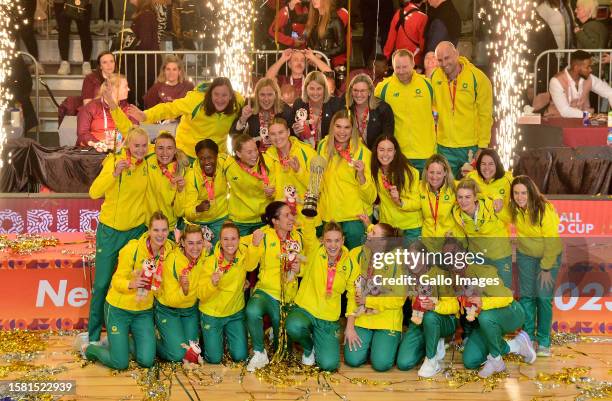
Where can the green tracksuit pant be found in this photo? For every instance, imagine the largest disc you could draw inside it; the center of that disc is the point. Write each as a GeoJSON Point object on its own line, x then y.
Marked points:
{"type": "Point", "coordinates": [261, 304]}
{"type": "Point", "coordinates": [457, 157]}
{"type": "Point", "coordinates": [536, 301]}
{"type": "Point", "coordinates": [315, 334]}
{"type": "Point", "coordinates": [231, 329]}
{"type": "Point", "coordinates": [380, 344]}
{"type": "Point", "coordinates": [488, 338]}
{"type": "Point", "coordinates": [175, 326]}
{"type": "Point", "coordinates": [108, 244]}
{"type": "Point", "coordinates": [120, 324]}
{"type": "Point", "coordinates": [422, 340]}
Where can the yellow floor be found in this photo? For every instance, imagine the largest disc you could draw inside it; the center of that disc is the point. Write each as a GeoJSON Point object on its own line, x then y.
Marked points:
{"type": "Point", "coordinates": [216, 382]}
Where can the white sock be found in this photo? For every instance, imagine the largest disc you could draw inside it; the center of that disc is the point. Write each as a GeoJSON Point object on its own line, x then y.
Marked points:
{"type": "Point", "coordinates": [514, 346]}
{"type": "Point", "coordinates": [497, 358]}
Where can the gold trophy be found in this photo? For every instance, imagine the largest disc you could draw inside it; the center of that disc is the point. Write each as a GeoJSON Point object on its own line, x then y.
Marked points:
{"type": "Point", "coordinates": [317, 167]}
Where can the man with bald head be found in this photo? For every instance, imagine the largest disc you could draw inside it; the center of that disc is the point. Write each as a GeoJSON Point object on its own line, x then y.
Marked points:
{"type": "Point", "coordinates": [410, 96]}
{"type": "Point", "coordinates": [463, 97]}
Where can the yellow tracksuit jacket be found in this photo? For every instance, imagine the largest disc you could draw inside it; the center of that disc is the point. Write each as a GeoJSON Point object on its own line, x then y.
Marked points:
{"type": "Point", "coordinates": [389, 314]}
{"type": "Point", "coordinates": [496, 189]}
{"type": "Point", "coordinates": [412, 106]}
{"type": "Point", "coordinates": [196, 193]}
{"type": "Point", "coordinates": [492, 296]}
{"type": "Point", "coordinates": [171, 294]}
{"type": "Point", "coordinates": [227, 298]}
{"type": "Point", "coordinates": [247, 200]}
{"type": "Point", "coordinates": [540, 240]}
{"type": "Point", "coordinates": [195, 125]}
{"type": "Point", "coordinates": [488, 234]}
{"type": "Point", "coordinates": [131, 257]}
{"type": "Point", "coordinates": [123, 196]}
{"type": "Point", "coordinates": [164, 195]}
{"type": "Point", "coordinates": [342, 197]}
{"type": "Point", "coordinates": [469, 123]}
{"type": "Point", "coordinates": [312, 295]}
{"type": "Point", "coordinates": [403, 217]}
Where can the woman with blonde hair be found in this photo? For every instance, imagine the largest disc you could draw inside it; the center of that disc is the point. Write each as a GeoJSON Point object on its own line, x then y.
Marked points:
{"type": "Point", "coordinates": [591, 33]}
{"type": "Point", "coordinates": [325, 31]}
{"type": "Point", "coordinates": [311, 115]}
{"type": "Point", "coordinates": [170, 85]}
{"type": "Point", "coordinates": [372, 116]}
{"type": "Point", "coordinates": [347, 188]}
{"type": "Point", "coordinates": [99, 119]}
{"type": "Point", "coordinates": [123, 185]}
{"type": "Point", "coordinates": [257, 115]}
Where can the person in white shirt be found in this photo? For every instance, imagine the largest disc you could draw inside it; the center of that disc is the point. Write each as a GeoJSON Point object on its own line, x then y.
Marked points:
{"type": "Point", "coordinates": [571, 87]}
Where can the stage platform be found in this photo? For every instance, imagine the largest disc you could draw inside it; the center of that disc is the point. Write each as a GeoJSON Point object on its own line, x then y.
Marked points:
{"type": "Point", "coordinates": [218, 382]}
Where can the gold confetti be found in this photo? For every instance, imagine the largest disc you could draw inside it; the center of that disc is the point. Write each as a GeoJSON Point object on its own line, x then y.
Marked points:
{"type": "Point", "coordinates": [26, 244]}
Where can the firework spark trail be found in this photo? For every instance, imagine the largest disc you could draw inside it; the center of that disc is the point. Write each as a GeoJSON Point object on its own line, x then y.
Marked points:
{"type": "Point", "coordinates": [513, 21]}
{"type": "Point", "coordinates": [235, 42]}
{"type": "Point", "coordinates": [8, 9]}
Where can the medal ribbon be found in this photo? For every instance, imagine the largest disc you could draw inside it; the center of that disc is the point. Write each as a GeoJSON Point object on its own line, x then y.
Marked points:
{"type": "Point", "coordinates": [209, 184]}
{"type": "Point", "coordinates": [434, 213]}
{"type": "Point", "coordinates": [166, 171]}
{"type": "Point", "coordinates": [128, 155]}
{"type": "Point", "coordinates": [159, 259]}
{"type": "Point", "coordinates": [190, 266]}
{"type": "Point", "coordinates": [453, 93]}
{"type": "Point", "coordinates": [363, 123]}
{"type": "Point", "coordinates": [262, 175]}
{"type": "Point", "coordinates": [386, 183]}
{"type": "Point", "coordinates": [344, 153]}
{"type": "Point", "coordinates": [331, 274]}
{"type": "Point", "coordinates": [221, 267]}
{"type": "Point", "coordinates": [284, 160]}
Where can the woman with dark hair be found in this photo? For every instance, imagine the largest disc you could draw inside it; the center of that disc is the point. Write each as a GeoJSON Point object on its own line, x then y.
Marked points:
{"type": "Point", "coordinates": [129, 304]}
{"type": "Point", "coordinates": [252, 179]}
{"type": "Point", "coordinates": [492, 179]}
{"type": "Point", "coordinates": [374, 327]}
{"type": "Point", "coordinates": [221, 294]}
{"type": "Point", "coordinates": [257, 115]}
{"type": "Point", "coordinates": [538, 257]}
{"type": "Point", "coordinates": [93, 81]}
{"type": "Point", "coordinates": [170, 84]}
{"type": "Point", "coordinates": [372, 116]}
{"type": "Point", "coordinates": [325, 31]}
{"type": "Point", "coordinates": [313, 323]}
{"type": "Point", "coordinates": [277, 278]}
{"type": "Point", "coordinates": [397, 182]}
{"type": "Point", "coordinates": [312, 113]}
{"type": "Point", "coordinates": [206, 188]}
{"type": "Point", "coordinates": [175, 310]}
{"type": "Point", "coordinates": [347, 188]}
{"type": "Point", "coordinates": [206, 112]}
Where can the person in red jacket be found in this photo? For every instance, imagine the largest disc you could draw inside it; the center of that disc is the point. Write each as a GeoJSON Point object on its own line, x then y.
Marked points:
{"type": "Point", "coordinates": [407, 31]}
{"type": "Point", "coordinates": [290, 22]}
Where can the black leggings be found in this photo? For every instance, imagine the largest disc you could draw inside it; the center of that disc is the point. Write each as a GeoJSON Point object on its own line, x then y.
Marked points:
{"type": "Point", "coordinates": [63, 28]}
{"type": "Point", "coordinates": [26, 31]}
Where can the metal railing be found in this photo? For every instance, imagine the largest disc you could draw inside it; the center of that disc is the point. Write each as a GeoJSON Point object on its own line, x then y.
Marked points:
{"type": "Point", "coordinates": [36, 89]}
{"type": "Point", "coordinates": [199, 64]}
{"type": "Point", "coordinates": [558, 59]}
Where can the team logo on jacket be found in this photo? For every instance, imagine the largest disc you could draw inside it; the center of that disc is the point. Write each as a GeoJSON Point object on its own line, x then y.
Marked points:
{"type": "Point", "coordinates": [396, 94]}
{"type": "Point", "coordinates": [502, 191]}
{"type": "Point", "coordinates": [446, 197]}
{"type": "Point", "coordinates": [418, 93]}
{"type": "Point", "coordinates": [465, 85]}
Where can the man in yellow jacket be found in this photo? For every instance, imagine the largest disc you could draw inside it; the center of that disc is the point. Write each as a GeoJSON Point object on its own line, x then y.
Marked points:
{"type": "Point", "coordinates": [463, 98]}
{"type": "Point", "coordinates": [410, 96]}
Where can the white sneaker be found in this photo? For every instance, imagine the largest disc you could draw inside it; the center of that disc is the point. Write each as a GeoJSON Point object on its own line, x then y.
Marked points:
{"type": "Point", "coordinates": [308, 360]}
{"type": "Point", "coordinates": [441, 350]}
{"type": "Point", "coordinates": [258, 361]}
{"type": "Point", "coordinates": [526, 347]}
{"type": "Point", "coordinates": [86, 68]}
{"type": "Point", "coordinates": [81, 342]}
{"type": "Point", "coordinates": [491, 366]}
{"type": "Point", "coordinates": [429, 368]}
{"type": "Point", "coordinates": [64, 68]}
{"type": "Point", "coordinates": [544, 351]}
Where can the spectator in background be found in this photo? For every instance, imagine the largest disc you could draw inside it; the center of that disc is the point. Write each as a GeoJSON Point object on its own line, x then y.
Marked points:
{"type": "Point", "coordinates": [95, 123]}
{"type": "Point", "coordinates": [312, 113]}
{"type": "Point", "coordinates": [93, 81]}
{"type": "Point", "coordinates": [325, 31]}
{"type": "Point", "coordinates": [141, 71]}
{"type": "Point", "coordinates": [372, 116]}
{"type": "Point", "coordinates": [257, 115]}
{"type": "Point", "coordinates": [407, 31]}
{"type": "Point", "coordinates": [296, 61]}
{"type": "Point", "coordinates": [290, 22]}
{"type": "Point", "coordinates": [377, 69]}
{"type": "Point", "coordinates": [26, 32]}
{"type": "Point", "coordinates": [370, 11]}
{"type": "Point", "coordinates": [288, 94]}
{"type": "Point", "coordinates": [430, 63]}
{"type": "Point", "coordinates": [570, 88]}
{"type": "Point", "coordinates": [170, 84]}
{"type": "Point", "coordinates": [444, 24]}
{"type": "Point", "coordinates": [591, 34]}
{"type": "Point", "coordinates": [19, 84]}
{"type": "Point", "coordinates": [63, 37]}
